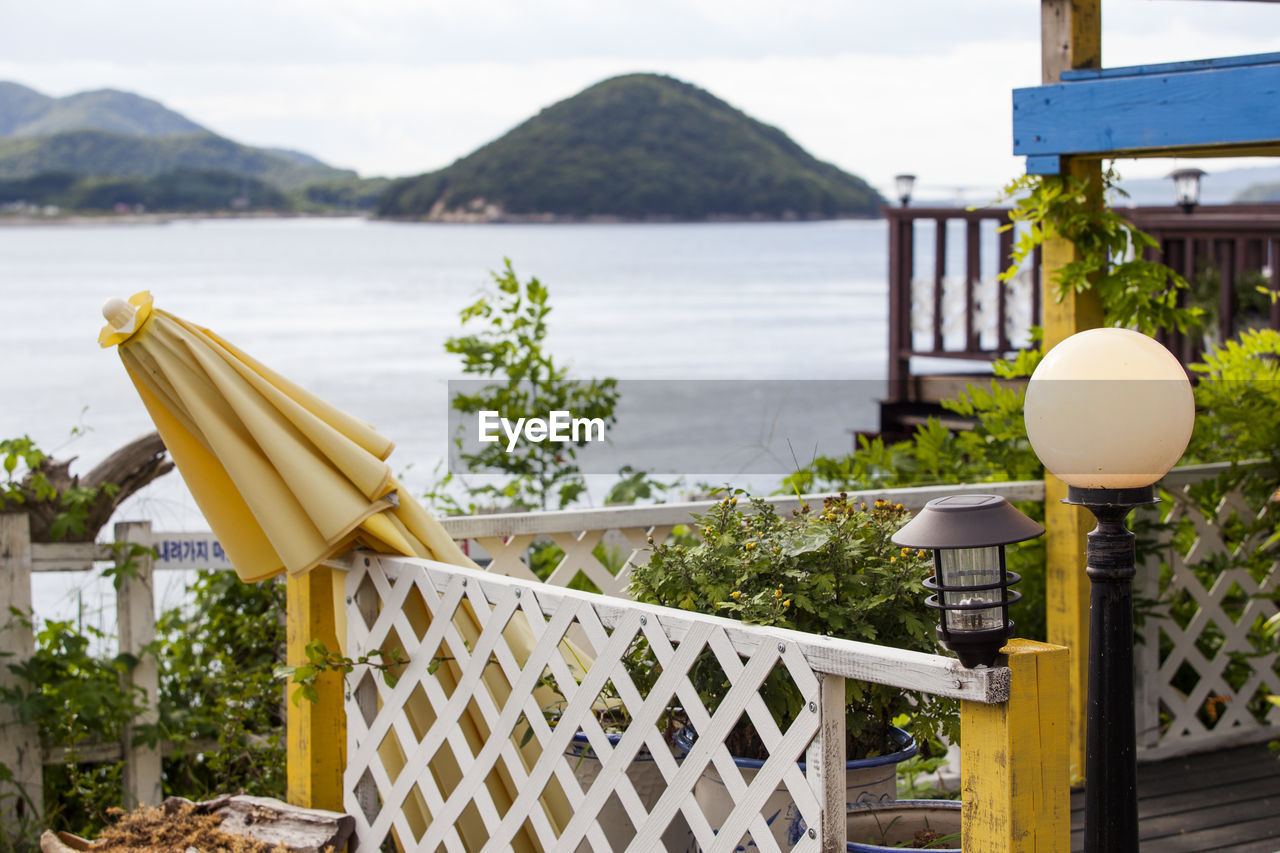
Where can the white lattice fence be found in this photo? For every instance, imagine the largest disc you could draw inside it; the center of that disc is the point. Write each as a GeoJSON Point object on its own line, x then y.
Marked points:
{"type": "Point", "coordinates": [461, 754]}
{"type": "Point", "coordinates": [505, 539]}
{"type": "Point", "coordinates": [1204, 674]}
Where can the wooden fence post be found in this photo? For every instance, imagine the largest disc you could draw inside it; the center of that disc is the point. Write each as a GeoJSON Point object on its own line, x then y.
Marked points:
{"type": "Point", "coordinates": [825, 761]}
{"type": "Point", "coordinates": [317, 731]}
{"type": "Point", "coordinates": [136, 616]}
{"type": "Point", "coordinates": [1013, 760]}
{"type": "Point", "coordinates": [20, 748]}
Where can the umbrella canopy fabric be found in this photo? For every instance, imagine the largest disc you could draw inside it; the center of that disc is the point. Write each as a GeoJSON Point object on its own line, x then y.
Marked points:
{"type": "Point", "coordinates": [285, 480]}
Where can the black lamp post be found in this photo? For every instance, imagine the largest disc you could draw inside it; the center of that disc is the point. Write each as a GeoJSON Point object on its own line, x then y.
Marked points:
{"type": "Point", "coordinates": [967, 534]}
{"type": "Point", "coordinates": [1109, 412]}
{"type": "Point", "coordinates": [904, 185]}
{"type": "Point", "coordinates": [1186, 187]}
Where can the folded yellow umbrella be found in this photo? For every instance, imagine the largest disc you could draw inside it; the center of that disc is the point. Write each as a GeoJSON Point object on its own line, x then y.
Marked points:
{"type": "Point", "coordinates": [285, 480]}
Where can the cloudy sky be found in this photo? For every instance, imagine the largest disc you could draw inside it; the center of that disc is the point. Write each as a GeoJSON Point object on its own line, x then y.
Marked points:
{"type": "Point", "coordinates": [398, 87]}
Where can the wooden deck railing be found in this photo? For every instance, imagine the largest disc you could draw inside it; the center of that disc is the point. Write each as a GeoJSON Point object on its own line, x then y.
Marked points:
{"type": "Point", "coordinates": [1230, 241]}
{"type": "Point", "coordinates": [945, 302]}
{"type": "Point", "coordinates": [958, 309]}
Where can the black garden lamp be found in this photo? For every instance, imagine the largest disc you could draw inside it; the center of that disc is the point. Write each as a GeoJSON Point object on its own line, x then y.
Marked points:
{"type": "Point", "coordinates": [904, 184]}
{"type": "Point", "coordinates": [1109, 412]}
{"type": "Point", "coordinates": [1186, 187]}
{"type": "Point", "coordinates": [967, 534]}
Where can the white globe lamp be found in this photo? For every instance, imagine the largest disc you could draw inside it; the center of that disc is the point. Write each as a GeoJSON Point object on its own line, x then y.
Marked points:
{"type": "Point", "coordinates": [1110, 411]}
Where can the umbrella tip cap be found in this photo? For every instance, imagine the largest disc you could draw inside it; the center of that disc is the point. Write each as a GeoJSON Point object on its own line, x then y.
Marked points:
{"type": "Point", "coordinates": [119, 313]}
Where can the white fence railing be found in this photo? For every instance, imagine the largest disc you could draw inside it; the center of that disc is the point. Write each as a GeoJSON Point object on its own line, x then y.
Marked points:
{"type": "Point", "coordinates": [482, 650]}
{"type": "Point", "coordinates": [1197, 631]}
{"type": "Point", "coordinates": [505, 539]}
{"type": "Point", "coordinates": [1203, 667]}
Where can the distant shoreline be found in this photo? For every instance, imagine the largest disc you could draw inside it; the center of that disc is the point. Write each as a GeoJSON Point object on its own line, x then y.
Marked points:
{"type": "Point", "coordinates": [21, 221]}
{"type": "Point", "coordinates": [467, 218]}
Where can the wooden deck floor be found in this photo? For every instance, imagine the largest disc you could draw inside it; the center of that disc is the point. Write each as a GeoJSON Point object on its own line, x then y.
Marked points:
{"type": "Point", "coordinates": [1227, 800]}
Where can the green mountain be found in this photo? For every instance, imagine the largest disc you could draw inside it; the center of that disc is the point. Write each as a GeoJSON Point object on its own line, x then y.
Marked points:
{"type": "Point", "coordinates": [26, 112]}
{"type": "Point", "coordinates": [640, 146]}
{"type": "Point", "coordinates": [20, 106]}
{"type": "Point", "coordinates": [109, 133]}
{"type": "Point", "coordinates": [192, 190]}
{"type": "Point", "coordinates": [1264, 193]}
{"type": "Point", "coordinates": [97, 153]}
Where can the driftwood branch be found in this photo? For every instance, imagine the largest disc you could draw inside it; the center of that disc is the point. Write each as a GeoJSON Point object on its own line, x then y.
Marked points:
{"type": "Point", "coordinates": [129, 468]}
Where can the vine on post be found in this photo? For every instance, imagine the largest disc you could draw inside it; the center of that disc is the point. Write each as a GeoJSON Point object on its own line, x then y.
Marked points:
{"type": "Point", "coordinates": [1135, 292]}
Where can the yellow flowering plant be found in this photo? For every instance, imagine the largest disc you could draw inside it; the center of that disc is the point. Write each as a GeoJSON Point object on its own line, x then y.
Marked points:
{"type": "Point", "coordinates": [830, 571]}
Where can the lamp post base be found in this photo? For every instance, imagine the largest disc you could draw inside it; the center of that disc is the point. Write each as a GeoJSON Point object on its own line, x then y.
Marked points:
{"type": "Point", "coordinates": [1111, 775]}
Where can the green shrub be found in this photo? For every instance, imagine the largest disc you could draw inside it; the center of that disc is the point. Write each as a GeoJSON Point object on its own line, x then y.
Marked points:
{"type": "Point", "coordinates": [832, 572]}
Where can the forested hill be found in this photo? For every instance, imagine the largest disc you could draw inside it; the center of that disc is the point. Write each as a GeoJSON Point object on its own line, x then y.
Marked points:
{"type": "Point", "coordinates": [109, 134]}
{"type": "Point", "coordinates": [641, 146]}
{"type": "Point", "coordinates": [26, 112]}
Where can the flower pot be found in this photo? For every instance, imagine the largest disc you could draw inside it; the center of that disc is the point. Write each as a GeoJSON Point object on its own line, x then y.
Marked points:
{"type": "Point", "coordinates": [645, 777]}
{"type": "Point", "coordinates": [868, 781]}
{"type": "Point", "coordinates": [892, 827]}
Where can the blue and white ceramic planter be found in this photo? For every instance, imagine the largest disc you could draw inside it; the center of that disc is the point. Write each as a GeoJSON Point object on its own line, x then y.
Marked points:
{"type": "Point", "coordinates": [868, 781]}
{"type": "Point", "coordinates": [645, 777]}
{"type": "Point", "coordinates": [892, 827]}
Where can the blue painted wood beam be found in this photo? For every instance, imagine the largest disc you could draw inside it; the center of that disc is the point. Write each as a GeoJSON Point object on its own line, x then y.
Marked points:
{"type": "Point", "coordinates": [1210, 106]}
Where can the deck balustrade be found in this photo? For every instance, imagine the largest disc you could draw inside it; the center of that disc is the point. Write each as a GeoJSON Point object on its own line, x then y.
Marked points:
{"type": "Point", "coordinates": [946, 303]}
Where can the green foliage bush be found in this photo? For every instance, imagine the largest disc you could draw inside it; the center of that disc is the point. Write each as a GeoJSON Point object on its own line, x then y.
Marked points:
{"type": "Point", "coordinates": [76, 697]}
{"type": "Point", "coordinates": [996, 449]}
{"type": "Point", "coordinates": [220, 704]}
{"type": "Point", "coordinates": [833, 572]}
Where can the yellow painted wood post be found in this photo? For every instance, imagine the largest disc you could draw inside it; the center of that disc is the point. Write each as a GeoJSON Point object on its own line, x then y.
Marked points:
{"type": "Point", "coordinates": [1071, 37]}
{"type": "Point", "coordinates": [1013, 763]}
{"type": "Point", "coordinates": [317, 731]}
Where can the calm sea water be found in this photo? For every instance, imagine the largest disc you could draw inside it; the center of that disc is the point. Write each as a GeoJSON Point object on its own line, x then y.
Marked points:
{"type": "Point", "coordinates": [358, 312]}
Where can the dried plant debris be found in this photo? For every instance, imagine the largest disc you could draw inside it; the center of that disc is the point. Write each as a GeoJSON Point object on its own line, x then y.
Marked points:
{"type": "Point", "coordinates": [225, 824]}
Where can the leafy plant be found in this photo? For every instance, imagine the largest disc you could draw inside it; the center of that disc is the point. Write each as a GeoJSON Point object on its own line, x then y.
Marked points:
{"type": "Point", "coordinates": [220, 702]}
{"type": "Point", "coordinates": [1135, 292]}
{"type": "Point", "coordinates": [320, 660]}
{"type": "Point", "coordinates": [996, 449]}
{"type": "Point", "coordinates": [74, 697]}
{"type": "Point", "coordinates": [832, 572]}
{"type": "Point", "coordinates": [512, 349]}
{"type": "Point", "coordinates": [26, 482]}
{"type": "Point", "coordinates": [20, 831]}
